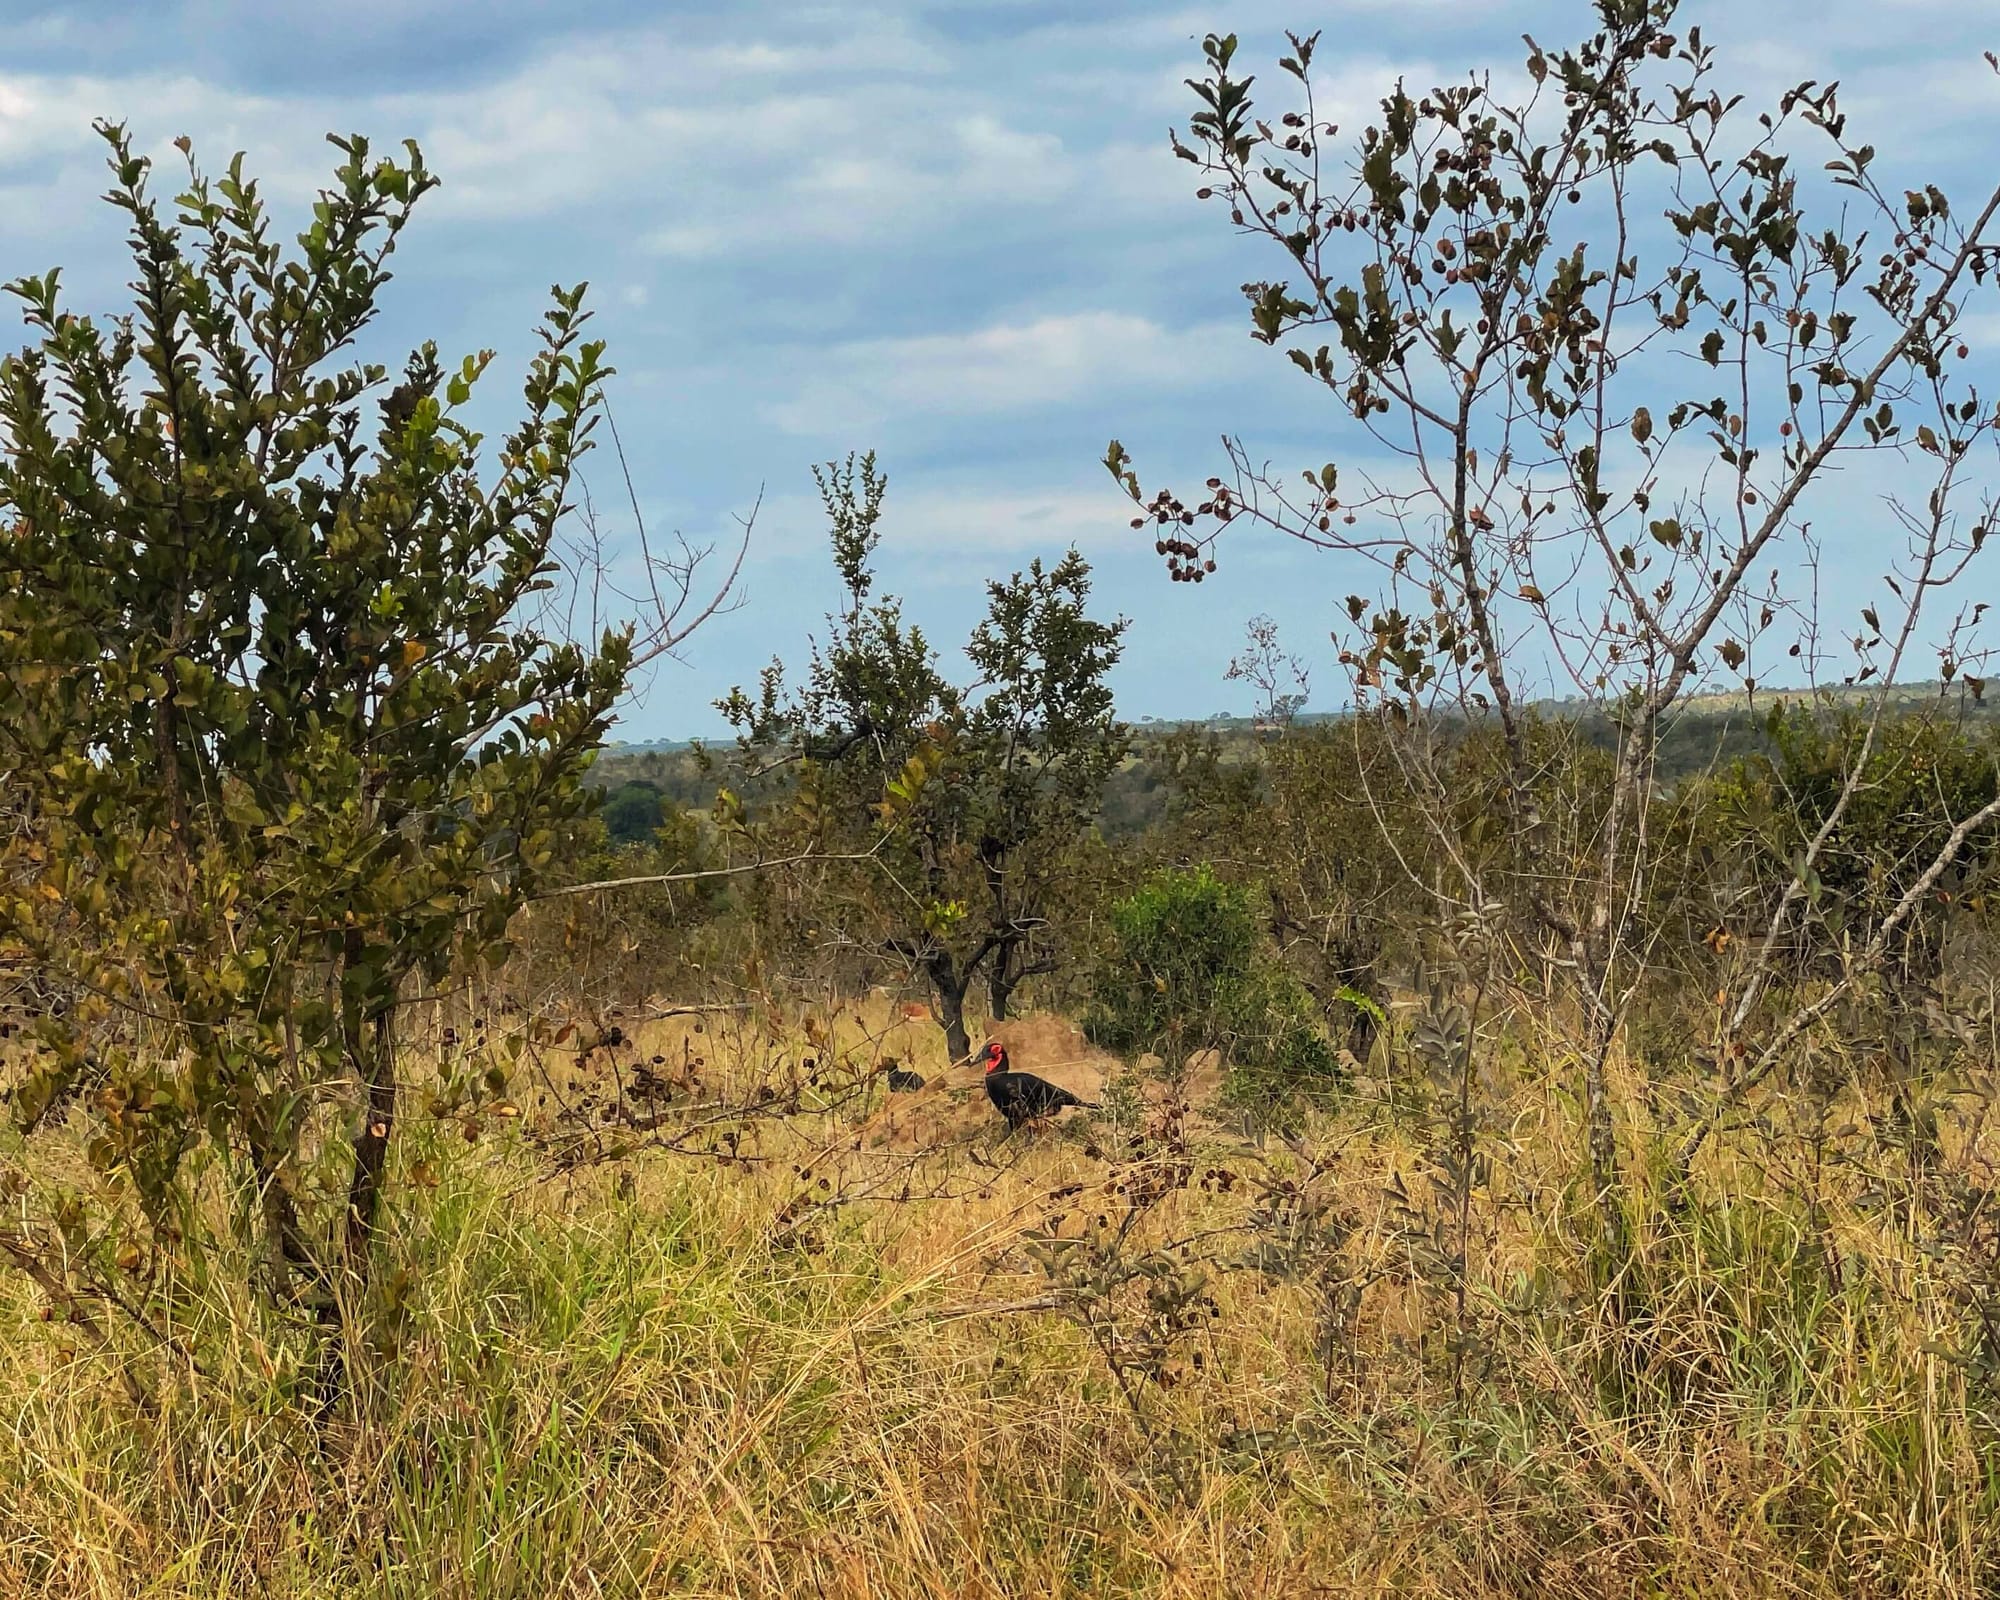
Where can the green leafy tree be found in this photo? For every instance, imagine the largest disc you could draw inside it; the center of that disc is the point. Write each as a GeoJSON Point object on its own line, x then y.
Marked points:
{"type": "Point", "coordinates": [279, 690]}
{"type": "Point", "coordinates": [965, 804]}
{"type": "Point", "coordinates": [1039, 745]}
{"type": "Point", "coordinates": [632, 813]}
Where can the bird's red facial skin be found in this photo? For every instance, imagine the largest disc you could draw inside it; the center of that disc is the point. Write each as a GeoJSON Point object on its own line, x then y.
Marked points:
{"type": "Point", "coordinates": [995, 1055]}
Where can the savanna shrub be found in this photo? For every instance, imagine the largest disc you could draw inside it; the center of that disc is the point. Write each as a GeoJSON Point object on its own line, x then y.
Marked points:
{"type": "Point", "coordinates": [1190, 970]}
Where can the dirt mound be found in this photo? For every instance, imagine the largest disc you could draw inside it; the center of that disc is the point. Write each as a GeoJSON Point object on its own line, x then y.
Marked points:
{"type": "Point", "coordinates": [1201, 1084]}
{"type": "Point", "coordinates": [952, 1107]}
{"type": "Point", "coordinates": [1055, 1048]}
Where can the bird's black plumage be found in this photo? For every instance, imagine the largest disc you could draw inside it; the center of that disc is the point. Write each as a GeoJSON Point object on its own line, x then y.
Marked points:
{"type": "Point", "coordinates": [902, 1080]}
{"type": "Point", "coordinates": [1022, 1097]}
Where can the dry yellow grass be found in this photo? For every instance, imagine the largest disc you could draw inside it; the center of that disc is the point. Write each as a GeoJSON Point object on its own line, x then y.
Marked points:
{"type": "Point", "coordinates": [830, 1368]}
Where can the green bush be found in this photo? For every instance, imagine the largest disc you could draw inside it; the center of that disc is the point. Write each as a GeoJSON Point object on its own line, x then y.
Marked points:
{"type": "Point", "coordinates": [632, 813]}
{"type": "Point", "coordinates": [1190, 970]}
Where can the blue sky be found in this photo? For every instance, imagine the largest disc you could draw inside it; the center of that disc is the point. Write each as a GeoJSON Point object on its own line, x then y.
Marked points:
{"type": "Point", "coordinates": [948, 231]}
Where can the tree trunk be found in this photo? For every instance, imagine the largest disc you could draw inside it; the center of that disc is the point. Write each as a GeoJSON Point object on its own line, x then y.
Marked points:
{"type": "Point", "coordinates": [371, 1151]}
{"type": "Point", "coordinates": [287, 1254]}
{"type": "Point", "coordinates": [1361, 1032]}
{"type": "Point", "coordinates": [1603, 1141]}
{"type": "Point", "coordinates": [950, 986]}
{"type": "Point", "coordinates": [1001, 982]}
{"type": "Point", "coordinates": [1353, 956]}
{"type": "Point", "coordinates": [1001, 990]}
{"type": "Point", "coordinates": [368, 1036]}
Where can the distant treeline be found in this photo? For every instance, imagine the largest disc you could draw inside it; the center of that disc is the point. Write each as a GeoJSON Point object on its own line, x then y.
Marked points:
{"type": "Point", "coordinates": [645, 784]}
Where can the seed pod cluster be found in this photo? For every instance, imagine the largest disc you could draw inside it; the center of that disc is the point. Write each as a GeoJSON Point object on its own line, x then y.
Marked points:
{"type": "Point", "coordinates": [1187, 559]}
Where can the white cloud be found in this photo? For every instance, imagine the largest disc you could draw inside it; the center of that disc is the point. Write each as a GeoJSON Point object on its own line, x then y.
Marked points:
{"type": "Point", "coordinates": [742, 145]}
{"type": "Point", "coordinates": [830, 129]}
{"type": "Point", "coordinates": [929, 516]}
{"type": "Point", "coordinates": [1043, 522]}
{"type": "Point", "coordinates": [855, 171]}
{"type": "Point", "coordinates": [1050, 361]}
{"type": "Point", "coordinates": [640, 120]}
{"type": "Point", "coordinates": [52, 171]}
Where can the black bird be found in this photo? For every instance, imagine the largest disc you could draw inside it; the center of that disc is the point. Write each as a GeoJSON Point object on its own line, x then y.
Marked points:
{"type": "Point", "coordinates": [902, 1080]}
{"type": "Point", "coordinates": [1021, 1096]}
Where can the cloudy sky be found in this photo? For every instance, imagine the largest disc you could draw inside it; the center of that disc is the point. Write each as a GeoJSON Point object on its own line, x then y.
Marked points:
{"type": "Point", "coordinates": [947, 230]}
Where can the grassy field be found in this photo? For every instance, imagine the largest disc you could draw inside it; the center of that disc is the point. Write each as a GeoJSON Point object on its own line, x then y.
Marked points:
{"type": "Point", "coordinates": [861, 1355]}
